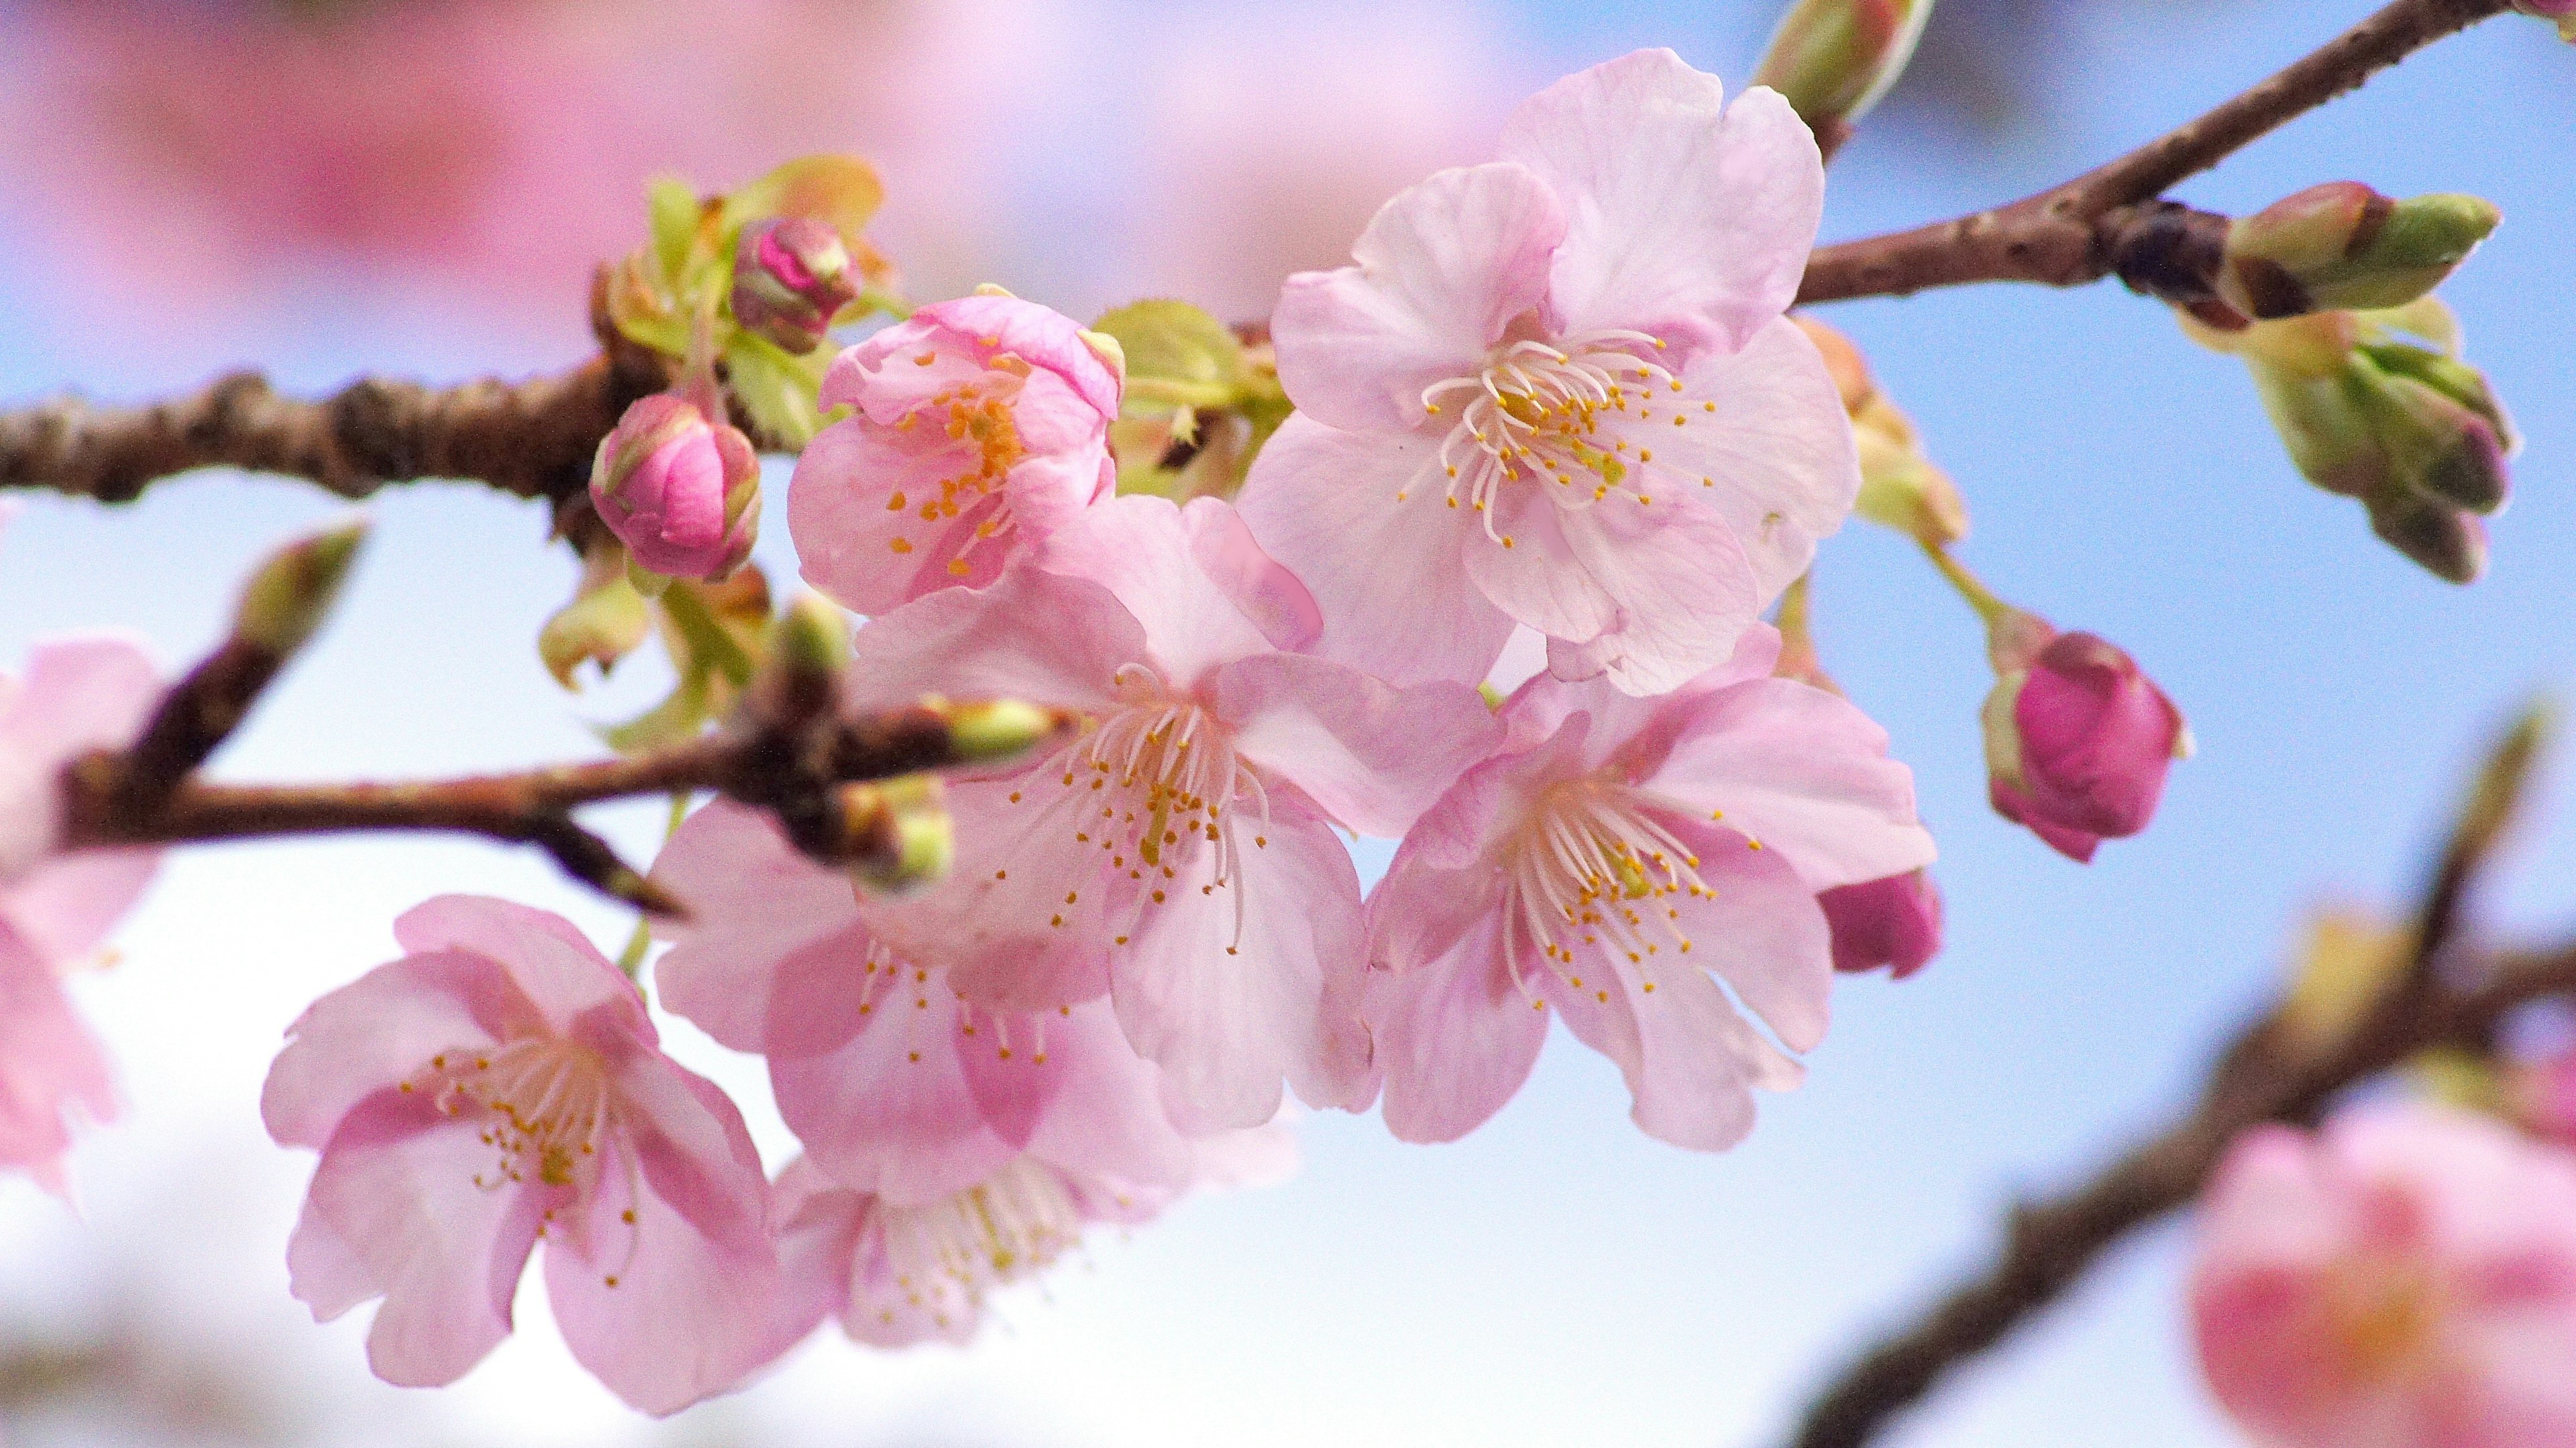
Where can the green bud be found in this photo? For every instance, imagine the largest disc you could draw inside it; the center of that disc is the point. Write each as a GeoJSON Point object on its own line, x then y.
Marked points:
{"type": "Point", "coordinates": [292, 592]}
{"type": "Point", "coordinates": [2434, 443]}
{"type": "Point", "coordinates": [2449, 543]}
{"type": "Point", "coordinates": [996, 729]}
{"type": "Point", "coordinates": [898, 830]}
{"type": "Point", "coordinates": [1833, 59]}
{"type": "Point", "coordinates": [2342, 246]}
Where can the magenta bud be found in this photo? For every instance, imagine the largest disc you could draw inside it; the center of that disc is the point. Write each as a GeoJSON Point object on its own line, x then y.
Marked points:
{"type": "Point", "coordinates": [2077, 745]}
{"type": "Point", "coordinates": [680, 492]}
{"type": "Point", "coordinates": [791, 276]}
{"type": "Point", "coordinates": [1893, 922]}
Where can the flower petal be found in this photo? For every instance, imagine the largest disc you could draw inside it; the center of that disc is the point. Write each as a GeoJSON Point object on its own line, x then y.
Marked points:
{"type": "Point", "coordinates": [1760, 929]}
{"type": "Point", "coordinates": [1454, 1035]}
{"type": "Point", "coordinates": [1442, 269]}
{"type": "Point", "coordinates": [65, 907]}
{"type": "Point", "coordinates": [1274, 599]}
{"type": "Point", "coordinates": [1107, 1120]}
{"type": "Point", "coordinates": [371, 1033]}
{"type": "Point", "coordinates": [554, 965]}
{"type": "Point", "coordinates": [754, 901]}
{"type": "Point", "coordinates": [1372, 755]}
{"type": "Point", "coordinates": [49, 1064]}
{"type": "Point", "coordinates": [1689, 219]}
{"type": "Point", "coordinates": [1043, 637]}
{"type": "Point", "coordinates": [1000, 923]}
{"type": "Point", "coordinates": [853, 508]}
{"type": "Point", "coordinates": [1387, 575]}
{"type": "Point", "coordinates": [1685, 593]}
{"type": "Point", "coordinates": [1140, 549]}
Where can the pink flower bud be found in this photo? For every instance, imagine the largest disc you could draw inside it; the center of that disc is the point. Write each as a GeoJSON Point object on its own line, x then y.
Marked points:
{"type": "Point", "coordinates": [1894, 922]}
{"type": "Point", "coordinates": [2077, 743]}
{"type": "Point", "coordinates": [790, 278]}
{"type": "Point", "coordinates": [681, 493]}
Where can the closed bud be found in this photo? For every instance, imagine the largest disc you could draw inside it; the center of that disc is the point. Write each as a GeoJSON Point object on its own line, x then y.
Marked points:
{"type": "Point", "coordinates": [294, 590]}
{"type": "Point", "coordinates": [2344, 247]}
{"type": "Point", "coordinates": [2435, 443]}
{"type": "Point", "coordinates": [681, 492]}
{"type": "Point", "coordinates": [2078, 742]}
{"type": "Point", "coordinates": [2451, 544]}
{"type": "Point", "coordinates": [1900, 488]}
{"type": "Point", "coordinates": [1833, 59]}
{"type": "Point", "coordinates": [791, 277]}
{"type": "Point", "coordinates": [1894, 922]}
{"type": "Point", "coordinates": [896, 832]}
{"type": "Point", "coordinates": [996, 729]}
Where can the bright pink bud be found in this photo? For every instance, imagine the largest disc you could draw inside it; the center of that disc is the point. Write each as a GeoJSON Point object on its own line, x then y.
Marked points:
{"type": "Point", "coordinates": [681, 493]}
{"type": "Point", "coordinates": [2077, 744]}
{"type": "Point", "coordinates": [1894, 922]}
{"type": "Point", "coordinates": [790, 278]}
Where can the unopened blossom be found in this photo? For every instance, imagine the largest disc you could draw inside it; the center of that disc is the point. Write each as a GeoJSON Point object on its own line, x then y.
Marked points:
{"type": "Point", "coordinates": [980, 426]}
{"type": "Point", "coordinates": [897, 1087]}
{"type": "Point", "coordinates": [900, 1273]}
{"type": "Point", "coordinates": [1180, 854]}
{"type": "Point", "coordinates": [498, 1085]}
{"type": "Point", "coordinates": [679, 486]}
{"type": "Point", "coordinates": [1559, 390]}
{"type": "Point", "coordinates": [56, 907]}
{"type": "Point", "coordinates": [2078, 738]}
{"type": "Point", "coordinates": [1893, 922]}
{"type": "Point", "coordinates": [2404, 1278]}
{"type": "Point", "coordinates": [1615, 862]}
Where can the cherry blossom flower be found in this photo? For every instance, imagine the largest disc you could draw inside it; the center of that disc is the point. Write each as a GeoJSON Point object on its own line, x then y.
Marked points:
{"type": "Point", "coordinates": [1616, 860]}
{"type": "Point", "coordinates": [681, 492]}
{"type": "Point", "coordinates": [897, 1087]}
{"type": "Point", "coordinates": [498, 1085]}
{"type": "Point", "coordinates": [980, 425]}
{"type": "Point", "coordinates": [2405, 1278]}
{"type": "Point", "coordinates": [2078, 740]}
{"type": "Point", "coordinates": [56, 908]}
{"type": "Point", "coordinates": [1894, 922]}
{"type": "Point", "coordinates": [1180, 854]}
{"type": "Point", "coordinates": [1559, 389]}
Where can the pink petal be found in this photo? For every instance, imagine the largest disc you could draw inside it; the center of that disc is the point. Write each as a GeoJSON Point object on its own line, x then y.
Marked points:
{"type": "Point", "coordinates": [853, 508]}
{"type": "Point", "coordinates": [1804, 772]}
{"type": "Point", "coordinates": [1539, 580]}
{"type": "Point", "coordinates": [1442, 269]}
{"type": "Point", "coordinates": [819, 1222]}
{"type": "Point", "coordinates": [66, 907]}
{"type": "Point", "coordinates": [1225, 1008]}
{"type": "Point", "coordinates": [998, 324]}
{"type": "Point", "coordinates": [49, 1064]}
{"type": "Point", "coordinates": [753, 901]}
{"type": "Point", "coordinates": [364, 1037]}
{"type": "Point", "coordinates": [1107, 1118]}
{"type": "Point", "coordinates": [1372, 755]}
{"type": "Point", "coordinates": [1388, 576]}
{"type": "Point", "coordinates": [1043, 637]}
{"type": "Point", "coordinates": [1454, 1035]}
{"type": "Point", "coordinates": [1222, 545]}
{"type": "Point", "coordinates": [992, 922]}
{"type": "Point", "coordinates": [891, 1111]}
{"type": "Point", "coordinates": [688, 1139]}
{"type": "Point", "coordinates": [1141, 551]}
{"type": "Point", "coordinates": [1687, 221]}
{"type": "Point", "coordinates": [1684, 592]}
{"type": "Point", "coordinates": [1760, 930]}
{"type": "Point", "coordinates": [554, 965]}
{"type": "Point", "coordinates": [78, 694]}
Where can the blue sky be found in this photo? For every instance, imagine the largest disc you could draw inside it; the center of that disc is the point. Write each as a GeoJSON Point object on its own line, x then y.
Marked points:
{"type": "Point", "coordinates": [1556, 1277]}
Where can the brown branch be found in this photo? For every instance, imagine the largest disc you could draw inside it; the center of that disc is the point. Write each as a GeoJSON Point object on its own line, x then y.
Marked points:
{"type": "Point", "coordinates": [2069, 235]}
{"type": "Point", "coordinates": [2275, 1070]}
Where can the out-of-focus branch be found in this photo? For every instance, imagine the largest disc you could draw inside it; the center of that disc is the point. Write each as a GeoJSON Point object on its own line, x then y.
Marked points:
{"type": "Point", "coordinates": [2273, 1071]}
{"type": "Point", "coordinates": [2072, 234]}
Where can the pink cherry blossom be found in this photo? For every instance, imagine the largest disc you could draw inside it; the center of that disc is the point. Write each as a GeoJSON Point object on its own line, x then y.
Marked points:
{"type": "Point", "coordinates": [501, 1084]}
{"type": "Point", "coordinates": [2078, 739]}
{"type": "Point", "coordinates": [1610, 857]}
{"type": "Point", "coordinates": [896, 1274]}
{"type": "Point", "coordinates": [1894, 922]}
{"type": "Point", "coordinates": [681, 492]}
{"type": "Point", "coordinates": [1559, 390]}
{"type": "Point", "coordinates": [1180, 854]}
{"type": "Point", "coordinates": [2405, 1278]}
{"type": "Point", "coordinates": [981, 425]}
{"type": "Point", "coordinates": [897, 1087]}
{"type": "Point", "coordinates": [56, 908]}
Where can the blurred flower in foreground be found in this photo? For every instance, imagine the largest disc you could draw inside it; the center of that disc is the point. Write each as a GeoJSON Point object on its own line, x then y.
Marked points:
{"type": "Point", "coordinates": [2404, 1278]}
{"type": "Point", "coordinates": [54, 908]}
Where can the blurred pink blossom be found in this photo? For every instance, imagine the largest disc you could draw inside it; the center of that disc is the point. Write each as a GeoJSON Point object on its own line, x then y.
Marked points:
{"type": "Point", "coordinates": [2404, 1278]}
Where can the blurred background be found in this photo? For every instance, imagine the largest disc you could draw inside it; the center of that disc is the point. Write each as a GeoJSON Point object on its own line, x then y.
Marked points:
{"type": "Point", "coordinates": [330, 187]}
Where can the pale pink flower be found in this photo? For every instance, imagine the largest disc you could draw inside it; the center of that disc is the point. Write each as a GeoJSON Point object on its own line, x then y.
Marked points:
{"type": "Point", "coordinates": [2405, 1278]}
{"type": "Point", "coordinates": [1180, 854]}
{"type": "Point", "coordinates": [1604, 862]}
{"type": "Point", "coordinates": [56, 908]}
{"type": "Point", "coordinates": [896, 1086]}
{"type": "Point", "coordinates": [900, 1273]}
{"type": "Point", "coordinates": [1894, 922]}
{"type": "Point", "coordinates": [980, 425]}
{"type": "Point", "coordinates": [499, 1084]}
{"type": "Point", "coordinates": [1559, 389]}
{"type": "Point", "coordinates": [2078, 740]}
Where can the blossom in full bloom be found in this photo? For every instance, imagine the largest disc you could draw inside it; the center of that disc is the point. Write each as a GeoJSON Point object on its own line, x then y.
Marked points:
{"type": "Point", "coordinates": [1894, 922]}
{"type": "Point", "coordinates": [897, 1087]}
{"type": "Point", "coordinates": [1616, 860]}
{"type": "Point", "coordinates": [56, 908]}
{"type": "Point", "coordinates": [2078, 738]}
{"type": "Point", "coordinates": [981, 425]}
{"type": "Point", "coordinates": [680, 490]}
{"type": "Point", "coordinates": [1179, 854]}
{"type": "Point", "coordinates": [2404, 1278]}
{"type": "Point", "coordinates": [1559, 390]}
{"type": "Point", "coordinates": [501, 1084]}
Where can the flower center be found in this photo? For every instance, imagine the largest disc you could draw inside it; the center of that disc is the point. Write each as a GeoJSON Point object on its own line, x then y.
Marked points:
{"type": "Point", "coordinates": [1592, 868]}
{"type": "Point", "coordinates": [547, 1102]}
{"type": "Point", "coordinates": [1156, 781]}
{"type": "Point", "coordinates": [1009, 1226]}
{"type": "Point", "coordinates": [978, 424]}
{"type": "Point", "coordinates": [1561, 413]}
{"type": "Point", "coordinates": [2382, 1316]}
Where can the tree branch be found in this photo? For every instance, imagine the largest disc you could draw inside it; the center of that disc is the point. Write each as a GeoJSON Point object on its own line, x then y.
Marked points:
{"type": "Point", "coordinates": [2275, 1070]}
{"type": "Point", "coordinates": [2070, 234]}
